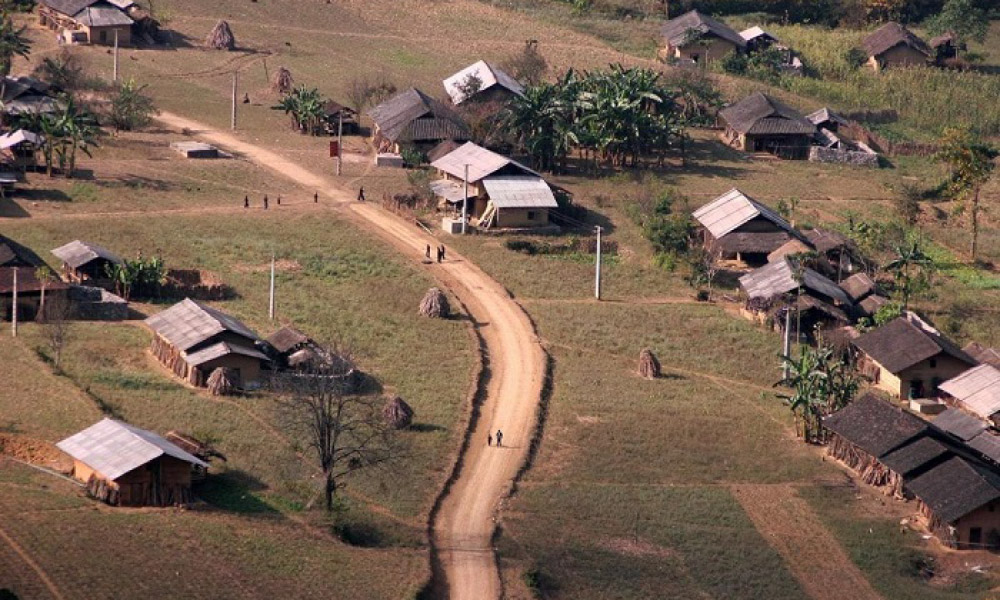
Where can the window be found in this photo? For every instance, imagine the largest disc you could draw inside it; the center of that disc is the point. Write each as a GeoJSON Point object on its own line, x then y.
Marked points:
{"type": "Point", "coordinates": [104, 36]}
{"type": "Point", "coordinates": [975, 536]}
{"type": "Point", "coordinates": [531, 215]}
{"type": "Point", "coordinates": [933, 363]}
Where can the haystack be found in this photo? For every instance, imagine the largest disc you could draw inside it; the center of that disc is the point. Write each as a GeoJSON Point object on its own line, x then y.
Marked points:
{"type": "Point", "coordinates": [397, 413]}
{"type": "Point", "coordinates": [222, 382]}
{"type": "Point", "coordinates": [221, 37]}
{"type": "Point", "coordinates": [283, 82]}
{"type": "Point", "coordinates": [435, 304]}
{"type": "Point", "coordinates": [649, 366]}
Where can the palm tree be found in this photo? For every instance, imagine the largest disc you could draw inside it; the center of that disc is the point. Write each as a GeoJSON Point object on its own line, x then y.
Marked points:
{"type": "Point", "coordinates": [12, 43]}
{"type": "Point", "coordinates": [821, 384]}
{"type": "Point", "coordinates": [74, 130]}
{"type": "Point", "coordinates": [909, 254]}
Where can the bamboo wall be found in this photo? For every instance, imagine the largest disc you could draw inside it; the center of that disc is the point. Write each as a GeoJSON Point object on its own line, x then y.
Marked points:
{"type": "Point", "coordinates": [871, 471]}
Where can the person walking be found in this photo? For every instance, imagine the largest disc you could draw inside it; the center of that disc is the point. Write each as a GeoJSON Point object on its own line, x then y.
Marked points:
{"type": "Point", "coordinates": [265, 201]}
{"type": "Point", "coordinates": [439, 254]}
{"type": "Point", "coordinates": [316, 198]}
{"type": "Point", "coordinates": [361, 194]}
{"type": "Point", "coordinates": [427, 252]}
{"type": "Point", "coordinates": [279, 199]}
{"type": "Point", "coordinates": [246, 201]}
{"type": "Point", "coordinates": [442, 253]}
{"type": "Point", "coordinates": [499, 438]}
{"type": "Point", "coordinates": [489, 439]}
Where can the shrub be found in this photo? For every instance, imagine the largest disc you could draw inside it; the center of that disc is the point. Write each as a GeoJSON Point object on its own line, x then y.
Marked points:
{"type": "Point", "coordinates": [130, 108]}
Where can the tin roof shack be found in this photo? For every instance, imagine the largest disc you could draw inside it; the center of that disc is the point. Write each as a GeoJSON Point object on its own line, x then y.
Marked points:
{"type": "Point", "coordinates": [88, 21]}
{"type": "Point", "coordinates": [482, 82]}
{"type": "Point", "coordinates": [959, 500]}
{"type": "Point", "coordinates": [737, 227]}
{"type": "Point", "coordinates": [976, 390]}
{"type": "Point", "coordinates": [910, 359]}
{"type": "Point", "coordinates": [28, 95]}
{"type": "Point", "coordinates": [127, 466]}
{"type": "Point", "coordinates": [893, 45]}
{"type": "Point", "coordinates": [414, 119]}
{"type": "Point", "coordinates": [22, 147]}
{"type": "Point", "coordinates": [20, 260]}
{"type": "Point", "coordinates": [86, 262]}
{"type": "Point", "coordinates": [503, 193]}
{"type": "Point", "coordinates": [773, 289]}
{"type": "Point", "coordinates": [193, 340]}
{"type": "Point", "coordinates": [698, 38]}
{"type": "Point", "coordinates": [759, 123]}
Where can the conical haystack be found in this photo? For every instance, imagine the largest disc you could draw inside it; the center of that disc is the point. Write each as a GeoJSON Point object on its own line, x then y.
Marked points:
{"type": "Point", "coordinates": [649, 366]}
{"type": "Point", "coordinates": [221, 37]}
{"type": "Point", "coordinates": [397, 413]}
{"type": "Point", "coordinates": [435, 304]}
{"type": "Point", "coordinates": [222, 382]}
{"type": "Point", "coordinates": [282, 82]}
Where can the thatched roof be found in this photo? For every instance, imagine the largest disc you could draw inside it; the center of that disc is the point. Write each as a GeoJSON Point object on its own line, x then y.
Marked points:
{"type": "Point", "coordinates": [889, 36]}
{"type": "Point", "coordinates": [732, 210]}
{"type": "Point", "coordinates": [983, 354]}
{"type": "Point", "coordinates": [807, 303]}
{"type": "Point", "coordinates": [825, 240]}
{"type": "Point", "coordinates": [678, 31]}
{"type": "Point", "coordinates": [875, 425]}
{"type": "Point", "coordinates": [221, 37]}
{"type": "Point", "coordinates": [906, 341]}
{"type": "Point", "coordinates": [916, 455]}
{"type": "Point", "coordinates": [941, 40]}
{"type": "Point", "coordinates": [287, 339]}
{"type": "Point", "coordinates": [413, 116]}
{"type": "Point", "coordinates": [858, 286]}
{"type": "Point", "coordinates": [760, 114]}
{"type": "Point", "coordinates": [489, 76]}
{"type": "Point", "coordinates": [956, 488]}
{"type": "Point", "coordinates": [960, 424]}
{"type": "Point", "coordinates": [751, 242]}
{"type": "Point", "coordinates": [777, 278]}
{"type": "Point", "coordinates": [189, 323]}
{"type": "Point", "coordinates": [283, 82]}
{"type": "Point", "coordinates": [77, 254]}
{"type": "Point", "coordinates": [978, 390]}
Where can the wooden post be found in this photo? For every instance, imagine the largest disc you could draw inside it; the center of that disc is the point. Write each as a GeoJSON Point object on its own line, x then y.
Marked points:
{"type": "Point", "coordinates": [597, 274]}
{"type": "Point", "coordinates": [232, 120]}
{"type": "Point", "coordinates": [465, 200]}
{"type": "Point", "coordinates": [788, 341]}
{"type": "Point", "coordinates": [267, 78]}
{"type": "Point", "coordinates": [340, 141]}
{"type": "Point", "coordinates": [13, 309]}
{"type": "Point", "coordinates": [115, 76]}
{"type": "Point", "coordinates": [270, 305]}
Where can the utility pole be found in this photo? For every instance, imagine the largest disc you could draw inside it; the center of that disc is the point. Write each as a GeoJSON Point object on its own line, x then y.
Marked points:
{"type": "Point", "coordinates": [13, 309]}
{"type": "Point", "coordinates": [115, 77]}
{"type": "Point", "coordinates": [597, 273]}
{"type": "Point", "coordinates": [232, 120]}
{"type": "Point", "coordinates": [465, 199]}
{"type": "Point", "coordinates": [788, 342]}
{"type": "Point", "coordinates": [270, 304]}
{"type": "Point", "coordinates": [340, 141]}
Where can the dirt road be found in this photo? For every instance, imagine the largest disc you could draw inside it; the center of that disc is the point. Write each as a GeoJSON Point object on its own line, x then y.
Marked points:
{"type": "Point", "coordinates": [465, 524]}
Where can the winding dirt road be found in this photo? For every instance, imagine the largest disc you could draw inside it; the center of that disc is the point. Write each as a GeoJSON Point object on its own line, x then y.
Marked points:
{"type": "Point", "coordinates": [464, 526]}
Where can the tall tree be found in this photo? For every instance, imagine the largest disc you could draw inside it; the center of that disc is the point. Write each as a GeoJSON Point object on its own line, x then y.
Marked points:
{"type": "Point", "coordinates": [12, 43]}
{"type": "Point", "coordinates": [964, 19]}
{"type": "Point", "coordinates": [971, 163]}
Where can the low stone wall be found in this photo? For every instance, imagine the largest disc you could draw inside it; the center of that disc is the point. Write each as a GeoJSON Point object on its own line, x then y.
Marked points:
{"type": "Point", "coordinates": [843, 157]}
{"type": "Point", "coordinates": [95, 304]}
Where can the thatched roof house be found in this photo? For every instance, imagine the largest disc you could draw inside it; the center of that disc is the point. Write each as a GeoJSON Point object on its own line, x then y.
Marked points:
{"type": "Point", "coordinates": [893, 45]}
{"type": "Point", "coordinates": [503, 193]}
{"type": "Point", "coordinates": [85, 261]}
{"type": "Point", "coordinates": [414, 118]}
{"type": "Point", "coordinates": [760, 123]}
{"type": "Point", "coordinates": [977, 390]}
{"type": "Point", "coordinates": [697, 37]}
{"type": "Point", "coordinates": [910, 359]}
{"type": "Point", "coordinates": [88, 21]}
{"type": "Point", "coordinates": [494, 84]}
{"type": "Point", "coordinates": [124, 465]}
{"type": "Point", "coordinates": [959, 500]}
{"type": "Point", "coordinates": [822, 305]}
{"type": "Point", "coordinates": [737, 227]}
{"type": "Point", "coordinates": [192, 340]}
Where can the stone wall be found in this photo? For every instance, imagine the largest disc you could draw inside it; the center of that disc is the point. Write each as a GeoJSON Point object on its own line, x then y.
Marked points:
{"type": "Point", "coordinates": [843, 157]}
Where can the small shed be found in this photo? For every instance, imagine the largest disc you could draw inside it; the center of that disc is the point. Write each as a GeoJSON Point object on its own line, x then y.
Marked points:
{"type": "Point", "coordinates": [737, 227]}
{"type": "Point", "coordinates": [757, 38]}
{"type": "Point", "coordinates": [893, 45]}
{"type": "Point", "coordinates": [494, 84]}
{"type": "Point", "coordinates": [192, 149]}
{"type": "Point", "coordinates": [22, 95]}
{"type": "Point", "coordinates": [414, 119]}
{"type": "Point", "coordinates": [22, 146]}
{"type": "Point", "coordinates": [977, 390]}
{"type": "Point", "coordinates": [945, 47]}
{"type": "Point", "coordinates": [698, 38]}
{"type": "Point", "coordinates": [825, 118]}
{"type": "Point", "coordinates": [336, 115]}
{"type": "Point", "coordinates": [127, 466]}
{"type": "Point", "coordinates": [760, 123]}
{"type": "Point", "coordinates": [86, 262]}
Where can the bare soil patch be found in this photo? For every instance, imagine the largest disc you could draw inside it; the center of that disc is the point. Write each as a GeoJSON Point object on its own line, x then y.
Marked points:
{"type": "Point", "coordinates": [35, 451]}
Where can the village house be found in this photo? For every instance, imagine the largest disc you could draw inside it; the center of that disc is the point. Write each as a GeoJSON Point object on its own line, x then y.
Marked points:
{"type": "Point", "coordinates": [864, 293]}
{"type": "Point", "coordinates": [976, 390]}
{"type": "Point", "coordinates": [193, 340]}
{"type": "Point", "coordinates": [958, 500]}
{"type": "Point", "coordinates": [503, 193]}
{"type": "Point", "coordinates": [759, 123]}
{"type": "Point", "coordinates": [484, 82]}
{"type": "Point", "coordinates": [757, 40]}
{"type": "Point", "coordinates": [910, 359]}
{"type": "Point", "coordinates": [893, 45]}
{"type": "Point", "coordinates": [945, 48]}
{"type": "Point", "coordinates": [698, 38]}
{"type": "Point", "coordinates": [84, 262]}
{"type": "Point", "coordinates": [23, 95]}
{"type": "Point", "coordinates": [736, 227]}
{"type": "Point", "coordinates": [88, 21]}
{"type": "Point", "coordinates": [414, 119]}
{"type": "Point", "coordinates": [17, 261]}
{"type": "Point", "coordinates": [775, 287]}
{"type": "Point", "coordinates": [127, 466]}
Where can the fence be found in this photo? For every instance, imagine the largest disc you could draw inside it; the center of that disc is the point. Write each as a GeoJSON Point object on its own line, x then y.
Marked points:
{"type": "Point", "coordinates": [859, 132]}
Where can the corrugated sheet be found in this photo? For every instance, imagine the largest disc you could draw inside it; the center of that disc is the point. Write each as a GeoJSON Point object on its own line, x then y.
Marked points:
{"type": "Point", "coordinates": [960, 424]}
{"type": "Point", "coordinates": [489, 76]}
{"type": "Point", "coordinates": [481, 162]}
{"type": "Point", "coordinates": [777, 278]}
{"type": "Point", "coordinates": [77, 253]}
{"type": "Point", "coordinates": [113, 448]}
{"type": "Point", "coordinates": [677, 30]}
{"type": "Point", "coordinates": [733, 209]}
{"type": "Point", "coordinates": [756, 32]}
{"type": "Point", "coordinates": [978, 389]}
{"type": "Point", "coordinates": [67, 7]}
{"type": "Point", "coordinates": [449, 190]}
{"type": "Point", "coordinates": [519, 191]}
{"type": "Point", "coordinates": [20, 136]}
{"type": "Point", "coordinates": [219, 350]}
{"type": "Point", "coordinates": [189, 323]}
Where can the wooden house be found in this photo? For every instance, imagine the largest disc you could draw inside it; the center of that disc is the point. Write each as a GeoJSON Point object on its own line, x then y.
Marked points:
{"type": "Point", "coordinates": [734, 226]}
{"type": "Point", "coordinates": [482, 82]}
{"type": "Point", "coordinates": [17, 261]}
{"type": "Point", "coordinates": [822, 304]}
{"type": "Point", "coordinates": [864, 293]}
{"type": "Point", "coordinates": [84, 262]}
{"type": "Point", "coordinates": [192, 340]}
{"type": "Point", "coordinates": [414, 119]}
{"type": "Point", "coordinates": [976, 390]}
{"type": "Point", "coordinates": [760, 123]}
{"type": "Point", "coordinates": [127, 466]}
{"type": "Point", "coordinates": [88, 21]}
{"type": "Point", "coordinates": [893, 45]}
{"type": "Point", "coordinates": [502, 193]}
{"type": "Point", "coordinates": [910, 359]}
{"type": "Point", "coordinates": [959, 500]}
{"type": "Point", "coordinates": [698, 38]}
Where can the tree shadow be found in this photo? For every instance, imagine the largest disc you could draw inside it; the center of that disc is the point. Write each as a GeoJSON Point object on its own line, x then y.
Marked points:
{"type": "Point", "coordinates": [136, 182]}
{"type": "Point", "coordinates": [426, 427]}
{"type": "Point", "coordinates": [233, 491]}
{"type": "Point", "coordinates": [43, 195]}
{"type": "Point", "coordinates": [12, 210]}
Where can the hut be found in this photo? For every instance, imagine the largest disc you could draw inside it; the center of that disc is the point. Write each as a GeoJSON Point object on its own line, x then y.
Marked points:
{"type": "Point", "coordinates": [983, 354]}
{"type": "Point", "coordinates": [825, 118]}
{"type": "Point", "coordinates": [760, 123]}
{"type": "Point", "coordinates": [22, 148]}
{"type": "Point", "coordinates": [84, 262]}
{"type": "Point", "coordinates": [945, 47]}
{"type": "Point", "coordinates": [414, 119]}
{"type": "Point", "coordinates": [865, 294]}
{"type": "Point", "coordinates": [737, 227]}
{"type": "Point", "coordinates": [959, 501]}
{"type": "Point", "coordinates": [503, 193]}
{"type": "Point", "coordinates": [19, 261]}
{"type": "Point", "coordinates": [24, 95]}
{"type": "Point", "coordinates": [910, 359]}
{"type": "Point", "coordinates": [893, 45]}
{"type": "Point", "coordinates": [127, 466]}
{"type": "Point", "coordinates": [976, 390]}
{"type": "Point", "coordinates": [820, 305]}
{"type": "Point", "coordinates": [834, 254]}
{"type": "Point", "coordinates": [88, 21]}
{"type": "Point", "coordinates": [483, 82]}
{"type": "Point", "coordinates": [698, 38]}
{"type": "Point", "coordinates": [337, 117]}
{"type": "Point", "coordinates": [192, 340]}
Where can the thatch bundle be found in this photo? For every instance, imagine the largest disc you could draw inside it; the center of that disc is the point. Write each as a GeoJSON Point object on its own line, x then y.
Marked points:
{"type": "Point", "coordinates": [283, 82]}
{"type": "Point", "coordinates": [221, 37]}
{"type": "Point", "coordinates": [222, 382]}
{"type": "Point", "coordinates": [435, 304]}
{"type": "Point", "coordinates": [649, 366]}
{"type": "Point", "coordinates": [397, 413]}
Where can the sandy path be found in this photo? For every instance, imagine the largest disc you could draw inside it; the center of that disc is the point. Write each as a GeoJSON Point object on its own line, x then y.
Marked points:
{"type": "Point", "coordinates": [465, 524]}
{"type": "Point", "coordinates": [815, 558]}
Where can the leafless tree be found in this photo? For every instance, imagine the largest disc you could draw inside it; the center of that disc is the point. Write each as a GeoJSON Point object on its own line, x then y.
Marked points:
{"type": "Point", "coordinates": [56, 315]}
{"type": "Point", "coordinates": [345, 427]}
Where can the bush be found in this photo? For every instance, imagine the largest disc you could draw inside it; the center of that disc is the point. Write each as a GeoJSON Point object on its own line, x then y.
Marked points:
{"type": "Point", "coordinates": [130, 108]}
{"type": "Point", "coordinates": [413, 157]}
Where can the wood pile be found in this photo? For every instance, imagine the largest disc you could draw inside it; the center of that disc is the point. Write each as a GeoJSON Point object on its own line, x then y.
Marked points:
{"type": "Point", "coordinates": [223, 382]}
{"type": "Point", "coordinates": [283, 82]}
{"type": "Point", "coordinates": [171, 358]}
{"type": "Point", "coordinates": [649, 366]}
{"type": "Point", "coordinates": [868, 468]}
{"type": "Point", "coordinates": [221, 37]}
{"type": "Point", "coordinates": [398, 413]}
{"type": "Point", "coordinates": [435, 304]}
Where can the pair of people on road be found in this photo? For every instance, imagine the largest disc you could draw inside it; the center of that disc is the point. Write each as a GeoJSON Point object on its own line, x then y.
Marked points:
{"type": "Point", "coordinates": [499, 438]}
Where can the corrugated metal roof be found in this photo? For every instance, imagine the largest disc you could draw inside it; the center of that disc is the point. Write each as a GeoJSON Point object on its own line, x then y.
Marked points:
{"type": "Point", "coordinates": [489, 76]}
{"type": "Point", "coordinates": [778, 278]}
{"type": "Point", "coordinates": [413, 116]}
{"type": "Point", "coordinates": [31, 103]}
{"type": "Point", "coordinates": [960, 424]}
{"type": "Point", "coordinates": [77, 253]}
{"type": "Point", "coordinates": [14, 138]}
{"type": "Point", "coordinates": [219, 350]}
{"type": "Point", "coordinates": [978, 389]}
{"type": "Point", "coordinates": [519, 191]}
{"type": "Point", "coordinates": [189, 323]}
{"type": "Point", "coordinates": [96, 15]}
{"type": "Point", "coordinates": [482, 162]}
{"type": "Point", "coordinates": [451, 191]}
{"type": "Point", "coordinates": [755, 32]}
{"type": "Point", "coordinates": [733, 209]}
{"type": "Point", "coordinates": [113, 448]}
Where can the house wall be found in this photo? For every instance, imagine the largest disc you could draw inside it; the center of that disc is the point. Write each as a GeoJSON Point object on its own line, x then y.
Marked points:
{"type": "Point", "coordinates": [715, 50]}
{"type": "Point", "coordinates": [82, 472]}
{"type": "Point", "coordinates": [519, 217]}
{"type": "Point", "coordinates": [105, 36]}
{"type": "Point", "coordinates": [795, 147]}
{"type": "Point", "coordinates": [986, 519]}
{"type": "Point", "coordinates": [248, 367]}
{"type": "Point", "coordinates": [945, 368]}
{"type": "Point", "coordinates": [899, 56]}
{"type": "Point", "coordinates": [139, 486]}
